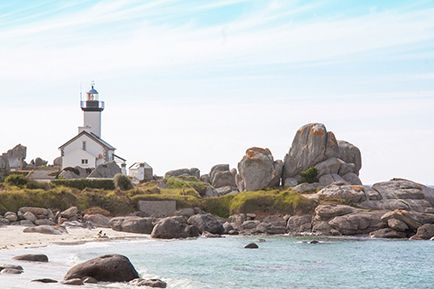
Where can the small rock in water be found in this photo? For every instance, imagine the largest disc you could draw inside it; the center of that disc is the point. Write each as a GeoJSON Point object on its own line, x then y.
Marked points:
{"type": "Point", "coordinates": [251, 246]}
{"type": "Point", "coordinates": [45, 280]}
{"type": "Point", "coordinates": [314, 242]}
{"type": "Point", "coordinates": [261, 240]}
{"type": "Point", "coordinates": [75, 281]}
{"type": "Point", "coordinates": [7, 266]}
{"type": "Point", "coordinates": [11, 271]}
{"type": "Point", "coordinates": [32, 258]}
{"type": "Point", "coordinates": [154, 283]}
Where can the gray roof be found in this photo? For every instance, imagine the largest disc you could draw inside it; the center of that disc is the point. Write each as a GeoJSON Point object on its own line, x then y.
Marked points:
{"type": "Point", "coordinates": [92, 136]}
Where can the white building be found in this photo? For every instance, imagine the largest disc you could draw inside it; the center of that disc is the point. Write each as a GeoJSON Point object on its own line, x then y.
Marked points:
{"type": "Point", "coordinates": [140, 172]}
{"type": "Point", "coordinates": [87, 149]}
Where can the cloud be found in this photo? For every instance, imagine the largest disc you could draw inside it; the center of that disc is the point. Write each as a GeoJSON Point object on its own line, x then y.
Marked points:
{"type": "Point", "coordinates": [87, 41]}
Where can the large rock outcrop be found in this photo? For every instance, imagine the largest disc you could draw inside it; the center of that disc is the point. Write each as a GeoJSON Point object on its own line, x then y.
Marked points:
{"type": "Point", "coordinates": [193, 172]}
{"type": "Point", "coordinates": [108, 268]}
{"type": "Point", "coordinates": [258, 170]}
{"type": "Point", "coordinates": [314, 146]}
{"type": "Point", "coordinates": [106, 171]}
{"type": "Point", "coordinates": [16, 157]}
{"type": "Point", "coordinates": [221, 176]}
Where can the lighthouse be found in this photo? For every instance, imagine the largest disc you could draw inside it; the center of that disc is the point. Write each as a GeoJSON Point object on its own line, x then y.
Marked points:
{"type": "Point", "coordinates": [92, 109]}
{"type": "Point", "coordinates": [87, 149]}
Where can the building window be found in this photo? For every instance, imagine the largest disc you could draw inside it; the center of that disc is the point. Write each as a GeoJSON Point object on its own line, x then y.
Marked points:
{"type": "Point", "coordinates": [83, 145]}
{"type": "Point", "coordinates": [84, 162]}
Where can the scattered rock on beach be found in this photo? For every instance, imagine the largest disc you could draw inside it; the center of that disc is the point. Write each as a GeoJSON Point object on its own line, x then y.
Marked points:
{"type": "Point", "coordinates": [98, 220]}
{"type": "Point", "coordinates": [207, 223]}
{"type": "Point", "coordinates": [107, 268]}
{"type": "Point", "coordinates": [171, 228]}
{"type": "Point", "coordinates": [32, 258]}
{"type": "Point", "coordinates": [132, 224]}
{"type": "Point", "coordinates": [44, 280]}
{"type": "Point", "coordinates": [45, 229]}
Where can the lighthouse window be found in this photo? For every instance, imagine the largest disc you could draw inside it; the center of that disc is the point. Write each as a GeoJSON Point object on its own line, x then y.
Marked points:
{"type": "Point", "coordinates": [83, 145]}
{"type": "Point", "coordinates": [84, 162]}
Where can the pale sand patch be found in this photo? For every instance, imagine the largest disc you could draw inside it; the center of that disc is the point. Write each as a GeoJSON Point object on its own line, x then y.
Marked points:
{"type": "Point", "coordinates": [12, 237]}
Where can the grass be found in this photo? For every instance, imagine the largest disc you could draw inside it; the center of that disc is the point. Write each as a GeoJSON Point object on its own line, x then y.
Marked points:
{"type": "Point", "coordinates": [181, 190]}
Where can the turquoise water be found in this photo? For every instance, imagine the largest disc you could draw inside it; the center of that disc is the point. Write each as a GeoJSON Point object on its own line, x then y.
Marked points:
{"type": "Point", "coordinates": [280, 262]}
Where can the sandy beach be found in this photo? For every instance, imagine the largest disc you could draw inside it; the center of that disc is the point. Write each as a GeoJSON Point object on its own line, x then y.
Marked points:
{"type": "Point", "coordinates": [12, 237]}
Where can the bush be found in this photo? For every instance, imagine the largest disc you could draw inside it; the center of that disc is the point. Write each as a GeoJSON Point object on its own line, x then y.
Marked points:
{"type": "Point", "coordinates": [110, 201]}
{"type": "Point", "coordinates": [16, 180]}
{"type": "Point", "coordinates": [81, 184]}
{"type": "Point", "coordinates": [219, 206]}
{"type": "Point", "coordinates": [122, 182]}
{"type": "Point", "coordinates": [37, 185]}
{"type": "Point", "coordinates": [309, 175]}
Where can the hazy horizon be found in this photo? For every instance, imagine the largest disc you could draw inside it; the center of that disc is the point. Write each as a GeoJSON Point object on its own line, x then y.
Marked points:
{"type": "Point", "coordinates": [193, 84]}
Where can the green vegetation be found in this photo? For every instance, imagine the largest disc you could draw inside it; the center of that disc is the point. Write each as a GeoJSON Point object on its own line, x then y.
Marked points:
{"type": "Point", "coordinates": [122, 182]}
{"type": "Point", "coordinates": [271, 202]}
{"type": "Point", "coordinates": [16, 180]}
{"type": "Point", "coordinates": [186, 182]}
{"type": "Point", "coordinates": [121, 201]}
{"type": "Point", "coordinates": [309, 175]}
{"type": "Point", "coordinates": [81, 184]}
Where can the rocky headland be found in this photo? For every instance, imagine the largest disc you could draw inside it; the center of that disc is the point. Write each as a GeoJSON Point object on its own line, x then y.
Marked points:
{"type": "Point", "coordinates": [314, 191]}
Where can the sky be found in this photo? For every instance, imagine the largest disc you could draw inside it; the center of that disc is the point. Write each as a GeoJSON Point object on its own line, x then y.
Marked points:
{"type": "Point", "coordinates": [196, 83]}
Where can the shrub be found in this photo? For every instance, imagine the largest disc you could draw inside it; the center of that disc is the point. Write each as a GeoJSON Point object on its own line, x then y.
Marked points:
{"type": "Point", "coordinates": [16, 180]}
{"type": "Point", "coordinates": [219, 206]}
{"type": "Point", "coordinates": [81, 184]}
{"type": "Point", "coordinates": [110, 201]}
{"type": "Point", "coordinates": [309, 175]}
{"type": "Point", "coordinates": [37, 185]}
{"type": "Point", "coordinates": [122, 182]}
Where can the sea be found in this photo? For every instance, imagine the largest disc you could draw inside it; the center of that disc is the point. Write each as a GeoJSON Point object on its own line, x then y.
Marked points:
{"type": "Point", "coordinates": [219, 263]}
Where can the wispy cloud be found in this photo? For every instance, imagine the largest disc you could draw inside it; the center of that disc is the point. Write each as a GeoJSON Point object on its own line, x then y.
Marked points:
{"type": "Point", "coordinates": [110, 36]}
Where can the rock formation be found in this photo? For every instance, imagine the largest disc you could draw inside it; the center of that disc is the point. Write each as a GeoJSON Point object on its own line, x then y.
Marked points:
{"type": "Point", "coordinates": [221, 176]}
{"type": "Point", "coordinates": [106, 171]}
{"type": "Point", "coordinates": [193, 172]}
{"type": "Point", "coordinates": [74, 173]}
{"type": "Point", "coordinates": [258, 170]}
{"type": "Point", "coordinates": [314, 146]}
{"type": "Point", "coordinates": [132, 224]}
{"type": "Point", "coordinates": [108, 268]}
{"type": "Point", "coordinates": [16, 157]}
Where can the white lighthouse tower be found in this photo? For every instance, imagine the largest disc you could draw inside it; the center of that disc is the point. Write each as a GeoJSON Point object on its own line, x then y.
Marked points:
{"type": "Point", "coordinates": [87, 149]}
{"type": "Point", "coordinates": [92, 108]}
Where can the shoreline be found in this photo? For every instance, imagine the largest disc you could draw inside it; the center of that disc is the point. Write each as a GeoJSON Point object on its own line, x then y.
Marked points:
{"type": "Point", "coordinates": [13, 237]}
